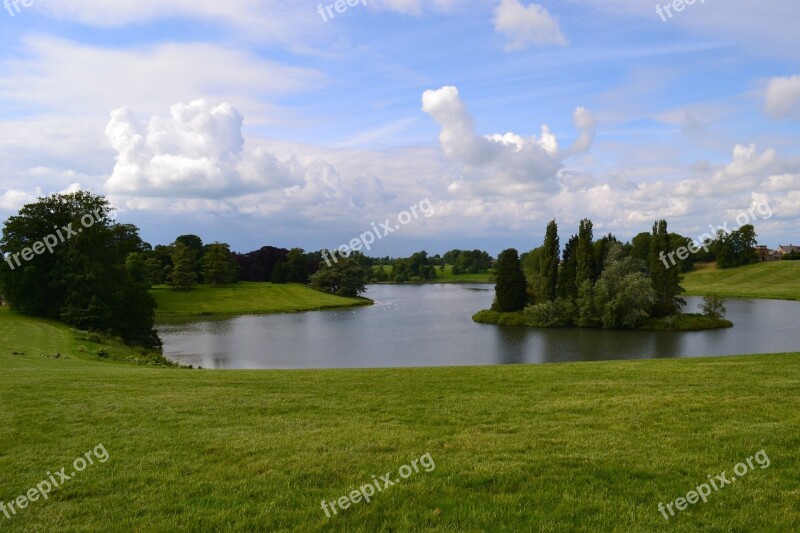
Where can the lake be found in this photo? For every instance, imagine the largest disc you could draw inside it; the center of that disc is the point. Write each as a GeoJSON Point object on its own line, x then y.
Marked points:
{"type": "Point", "coordinates": [431, 325]}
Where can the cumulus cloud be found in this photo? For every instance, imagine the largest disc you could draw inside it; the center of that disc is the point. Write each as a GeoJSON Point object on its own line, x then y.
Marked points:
{"type": "Point", "coordinates": [197, 151]}
{"type": "Point", "coordinates": [500, 163]}
{"type": "Point", "coordinates": [526, 25]}
{"type": "Point", "coordinates": [783, 97]}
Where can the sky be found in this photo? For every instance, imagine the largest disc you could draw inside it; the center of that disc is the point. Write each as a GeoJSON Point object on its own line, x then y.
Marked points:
{"type": "Point", "coordinates": [294, 124]}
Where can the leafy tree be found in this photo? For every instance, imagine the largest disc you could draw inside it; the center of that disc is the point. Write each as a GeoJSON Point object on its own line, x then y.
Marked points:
{"type": "Point", "coordinates": [81, 278]}
{"type": "Point", "coordinates": [219, 266]}
{"type": "Point", "coordinates": [344, 278]}
{"type": "Point", "coordinates": [623, 295]}
{"type": "Point", "coordinates": [584, 255]}
{"type": "Point", "coordinates": [297, 266]}
{"type": "Point", "coordinates": [549, 262]}
{"type": "Point", "coordinates": [278, 274]}
{"type": "Point", "coordinates": [135, 265]}
{"type": "Point", "coordinates": [714, 307]}
{"type": "Point", "coordinates": [155, 271]}
{"type": "Point", "coordinates": [665, 277]}
{"type": "Point", "coordinates": [567, 288]}
{"type": "Point", "coordinates": [640, 247]}
{"type": "Point", "coordinates": [259, 264]}
{"type": "Point", "coordinates": [182, 277]}
{"type": "Point", "coordinates": [511, 288]}
{"type": "Point", "coordinates": [531, 267]}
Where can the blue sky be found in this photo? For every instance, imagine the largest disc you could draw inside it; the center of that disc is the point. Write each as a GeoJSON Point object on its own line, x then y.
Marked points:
{"type": "Point", "coordinates": [257, 122]}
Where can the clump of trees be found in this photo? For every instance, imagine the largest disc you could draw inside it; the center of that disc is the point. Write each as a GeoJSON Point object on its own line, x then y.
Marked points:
{"type": "Point", "coordinates": [343, 277]}
{"type": "Point", "coordinates": [593, 283]}
{"type": "Point", "coordinates": [96, 280]}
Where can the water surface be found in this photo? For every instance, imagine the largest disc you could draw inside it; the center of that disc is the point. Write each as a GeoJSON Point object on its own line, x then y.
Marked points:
{"type": "Point", "coordinates": [430, 325]}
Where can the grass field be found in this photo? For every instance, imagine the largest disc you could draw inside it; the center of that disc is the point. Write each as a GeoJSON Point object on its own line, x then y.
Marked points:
{"type": "Point", "coordinates": [779, 280]}
{"type": "Point", "coordinates": [448, 277]}
{"type": "Point", "coordinates": [578, 447]}
{"type": "Point", "coordinates": [246, 298]}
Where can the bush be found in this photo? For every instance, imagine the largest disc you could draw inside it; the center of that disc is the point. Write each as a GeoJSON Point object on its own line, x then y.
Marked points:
{"type": "Point", "coordinates": [557, 314]}
{"type": "Point", "coordinates": [714, 307]}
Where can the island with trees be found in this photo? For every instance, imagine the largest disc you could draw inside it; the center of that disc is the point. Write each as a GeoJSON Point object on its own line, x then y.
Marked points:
{"type": "Point", "coordinates": [598, 284]}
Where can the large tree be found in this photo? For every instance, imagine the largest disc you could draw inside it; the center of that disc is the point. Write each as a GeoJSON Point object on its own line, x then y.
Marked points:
{"type": "Point", "coordinates": [665, 277]}
{"type": "Point", "coordinates": [548, 267]}
{"type": "Point", "coordinates": [511, 288]}
{"type": "Point", "coordinates": [567, 287]}
{"type": "Point", "coordinates": [81, 277]}
{"type": "Point", "coordinates": [219, 266]}
{"type": "Point", "coordinates": [182, 276]}
{"type": "Point", "coordinates": [584, 254]}
{"type": "Point", "coordinates": [344, 278]}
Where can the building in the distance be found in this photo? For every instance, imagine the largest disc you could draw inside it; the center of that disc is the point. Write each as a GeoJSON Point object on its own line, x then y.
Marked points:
{"type": "Point", "coordinates": [790, 249]}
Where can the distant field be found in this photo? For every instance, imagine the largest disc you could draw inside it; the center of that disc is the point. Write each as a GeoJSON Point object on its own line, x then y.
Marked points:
{"type": "Point", "coordinates": [448, 277]}
{"type": "Point", "coordinates": [246, 298]}
{"type": "Point", "coordinates": [779, 280]}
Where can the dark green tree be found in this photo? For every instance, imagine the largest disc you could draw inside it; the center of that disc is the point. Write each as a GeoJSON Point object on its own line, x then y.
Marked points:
{"type": "Point", "coordinates": [665, 277]}
{"type": "Point", "coordinates": [81, 277]}
{"type": "Point", "coordinates": [296, 266]}
{"type": "Point", "coordinates": [182, 276]}
{"type": "Point", "coordinates": [219, 265]}
{"type": "Point", "coordinates": [569, 270]}
{"type": "Point", "coordinates": [584, 254]}
{"type": "Point", "coordinates": [549, 262]}
{"type": "Point", "coordinates": [511, 288]}
{"type": "Point", "coordinates": [344, 278]}
{"type": "Point", "coordinates": [278, 274]}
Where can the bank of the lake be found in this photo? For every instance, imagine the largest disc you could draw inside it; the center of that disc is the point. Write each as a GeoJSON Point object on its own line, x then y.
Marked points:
{"type": "Point", "coordinates": [445, 276]}
{"type": "Point", "coordinates": [591, 446]}
{"type": "Point", "coordinates": [247, 298]}
{"type": "Point", "coordinates": [773, 280]}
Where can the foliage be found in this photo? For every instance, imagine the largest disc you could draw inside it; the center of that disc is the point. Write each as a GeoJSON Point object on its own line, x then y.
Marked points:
{"type": "Point", "coordinates": [569, 270]}
{"type": "Point", "coordinates": [584, 255]}
{"type": "Point", "coordinates": [84, 281]}
{"type": "Point", "coordinates": [343, 278]}
{"type": "Point", "coordinates": [219, 265]}
{"type": "Point", "coordinates": [548, 270]}
{"type": "Point", "coordinates": [737, 248]}
{"type": "Point", "coordinates": [511, 288]}
{"type": "Point", "coordinates": [182, 276]}
{"type": "Point", "coordinates": [551, 314]}
{"type": "Point", "coordinates": [714, 307]}
{"type": "Point", "coordinates": [665, 278]}
{"type": "Point", "coordinates": [278, 274]}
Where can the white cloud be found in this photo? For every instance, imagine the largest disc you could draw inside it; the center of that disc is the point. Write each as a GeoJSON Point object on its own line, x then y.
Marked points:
{"type": "Point", "coordinates": [783, 97]}
{"type": "Point", "coordinates": [505, 164]}
{"type": "Point", "coordinates": [198, 151]}
{"type": "Point", "coordinates": [526, 25]}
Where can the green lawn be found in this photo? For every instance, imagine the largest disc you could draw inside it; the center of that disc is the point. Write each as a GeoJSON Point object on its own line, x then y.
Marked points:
{"type": "Point", "coordinates": [779, 280]}
{"type": "Point", "coordinates": [563, 447]}
{"type": "Point", "coordinates": [246, 298]}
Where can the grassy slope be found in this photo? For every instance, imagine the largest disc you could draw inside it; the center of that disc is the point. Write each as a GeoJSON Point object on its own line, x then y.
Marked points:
{"type": "Point", "coordinates": [776, 280]}
{"type": "Point", "coordinates": [247, 298]}
{"type": "Point", "coordinates": [583, 447]}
